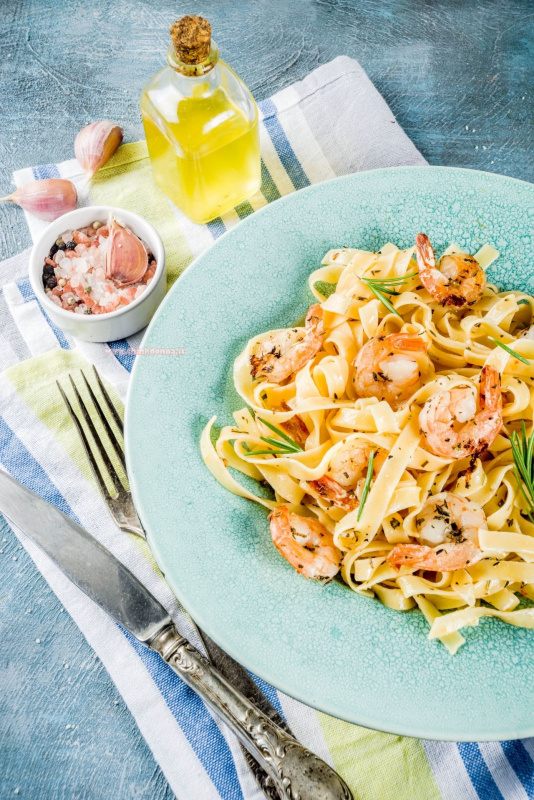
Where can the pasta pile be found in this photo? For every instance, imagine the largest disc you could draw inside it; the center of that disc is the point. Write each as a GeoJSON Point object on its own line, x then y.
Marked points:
{"type": "Point", "coordinates": [290, 434]}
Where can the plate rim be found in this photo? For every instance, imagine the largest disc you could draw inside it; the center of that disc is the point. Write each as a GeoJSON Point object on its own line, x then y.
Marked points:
{"type": "Point", "coordinates": [362, 720]}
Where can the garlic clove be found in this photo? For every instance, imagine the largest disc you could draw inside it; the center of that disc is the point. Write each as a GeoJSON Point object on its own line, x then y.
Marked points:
{"type": "Point", "coordinates": [47, 199]}
{"type": "Point", "coordinates": [95, 144]}
{"type": "Point", "coordinates": [126, 255]}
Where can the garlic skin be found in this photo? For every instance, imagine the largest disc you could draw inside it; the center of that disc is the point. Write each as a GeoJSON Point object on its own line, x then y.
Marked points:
{"type": "Point", "coordinates": [47, 199]}
{"type": "Point", "coordinates": [95, 144]}
{"type": "Point", "coordinates": [126, 255]}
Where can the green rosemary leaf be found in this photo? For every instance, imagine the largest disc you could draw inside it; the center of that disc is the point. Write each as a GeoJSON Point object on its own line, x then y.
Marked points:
{"type": "Point", "coordinates": [391, 281]}
{"type": "Point", "coordinates": [280, 433]}
{"type": "Point", "coordinates": [529, 456]}
{"type": "Point", "coordinates": [367, 485]}
{"type": "Point", "coordinates": [279, 444]}
{"type": "Point", "coordinates": [383, 299]}
{"type": "Point", "coordinates": [524, 302]}
{"type": "Point", "coordinates": [523, 452]}
{"type": "Point", "coordinates": [268, 452]}
{"type": "Point", "coordinates": [530, 507]}
{"type": "Point", "coordinates": [510, 351]}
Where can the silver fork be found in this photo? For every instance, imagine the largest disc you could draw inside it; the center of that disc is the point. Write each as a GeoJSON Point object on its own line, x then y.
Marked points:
{"type": "Point", "coordinates": [120, 504]}
{"type": "Point", "coordinates": [125, 516]}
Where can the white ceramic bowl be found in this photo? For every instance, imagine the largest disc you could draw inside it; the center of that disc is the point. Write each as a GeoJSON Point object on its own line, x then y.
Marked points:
{"type": "Point", "coordinates": [126, 320]}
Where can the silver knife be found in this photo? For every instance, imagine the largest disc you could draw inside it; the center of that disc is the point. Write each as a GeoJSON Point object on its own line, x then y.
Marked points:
{"type": "Point", "coordinates": [241, 680]}
{"type": "Point", "coordinates": [297, 773]}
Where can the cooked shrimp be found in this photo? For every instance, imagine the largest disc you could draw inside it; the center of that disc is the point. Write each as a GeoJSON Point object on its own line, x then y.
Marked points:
{"type": "Point", "coordinates": [346, 473]}
{"type": "Point", "coordinates": [306, 544]}
{"type": "Point", "coordinates": [450, 423]}
{"type": "Point", "coordinates": [296, 428]}
{"type": "Point", "coordinates": [283, 353]}
{"type": "Point", "coordinates": [459, 281]}
{"type": "Point", "coordinates": [390, 367]}
{"type": "Point", "coordinates": [331, 490]}
{"type": "Point", "coordinates": [448, 535]}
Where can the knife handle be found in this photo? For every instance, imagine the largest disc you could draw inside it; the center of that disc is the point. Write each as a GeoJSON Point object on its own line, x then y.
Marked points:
{"type": "Point", "coordinates": [297, 773]}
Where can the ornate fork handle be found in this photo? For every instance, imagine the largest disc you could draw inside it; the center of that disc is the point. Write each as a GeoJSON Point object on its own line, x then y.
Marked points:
{"type": "Point", "coordinates": [297, 773]}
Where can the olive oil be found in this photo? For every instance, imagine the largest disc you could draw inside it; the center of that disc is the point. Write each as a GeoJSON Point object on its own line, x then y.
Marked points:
{"type": "Point", "coordinates": [201, 127]}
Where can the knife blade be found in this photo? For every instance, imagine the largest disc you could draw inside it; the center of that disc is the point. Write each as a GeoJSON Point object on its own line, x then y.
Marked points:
{"type": "Point", "coordinates": [291, 769]}
{"type": "Point", "coordinates": [84, 560]}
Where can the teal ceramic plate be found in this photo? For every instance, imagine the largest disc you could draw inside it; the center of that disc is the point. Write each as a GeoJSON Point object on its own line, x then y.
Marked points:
{"type": "Point", "coordinates": [334, 650]}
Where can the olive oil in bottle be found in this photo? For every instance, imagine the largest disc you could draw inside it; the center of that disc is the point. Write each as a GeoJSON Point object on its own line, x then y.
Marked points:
{"type": "Point", "coordinates": [201, 126]}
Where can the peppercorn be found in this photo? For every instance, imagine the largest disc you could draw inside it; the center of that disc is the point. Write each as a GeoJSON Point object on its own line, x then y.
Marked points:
{"type": "Point", "coordinates": [50, 282]}
{"type": "Point", "coordinates": [48, 269]}
{"type": "Point", "coordinates": [53, 250]}
{"type": "Point", "coordinates": [71, 245]}
{"type": "Point", "coordinates": [62, 246]}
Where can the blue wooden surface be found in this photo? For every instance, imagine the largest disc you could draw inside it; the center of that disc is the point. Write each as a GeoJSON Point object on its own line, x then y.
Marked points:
{"type": "Point", "coordinates": [458, 75]}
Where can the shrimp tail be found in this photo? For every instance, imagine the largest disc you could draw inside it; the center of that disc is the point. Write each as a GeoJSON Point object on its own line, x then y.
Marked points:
{"type": "Point", "coordinates": [332, 491]}
{"type": "Point", "coordinates": [403, 341]}
{"type": "Point", "coordinates": [296, 428]}
{"type": "Point", "coordinates": [424, 252]}
{"type": "Point", "coordinates": [490, 389]}
{"type": "Point", "coordinates": [306, 544]}
{"type": "Point", "coordinates": [315, 320]}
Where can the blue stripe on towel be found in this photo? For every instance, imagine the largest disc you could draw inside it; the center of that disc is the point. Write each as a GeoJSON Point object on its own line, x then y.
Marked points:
{"type": "Point", "coordinates": [45, 171]}
{"type": "Point", "coordinates": [123, 353]}
{"type": "Point", "coordinates": [282, 146]}
{"type": "Point", "coordinates": [24, 287]}
{"type": "Point", "coordinates": [521, 763]}
{"type": "Point", "coordinates": [189, 711]}
{"type": "Point", "coordinates": [477, 769]}
{"type": "Point", "coordinates": [216, 227]}
{"type": "Point", "coordinates": [20, 463]}
{"type": "Point", "coordinates": [197, 724]}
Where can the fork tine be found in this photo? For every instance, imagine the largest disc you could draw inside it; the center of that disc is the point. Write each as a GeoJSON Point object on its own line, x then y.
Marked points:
{"type": "Point", "coordinates": [101, 449]}
{"type": "Point", "coordinates": [88, 452]}
{"type": "Point", "coordinates": [113, 439]}
{"type": "Point", "coordinates": [108, 400]}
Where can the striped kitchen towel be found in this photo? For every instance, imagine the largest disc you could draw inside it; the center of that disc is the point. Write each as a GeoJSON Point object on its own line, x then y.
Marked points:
{"type": "Point", "coordinates": [331, 123]}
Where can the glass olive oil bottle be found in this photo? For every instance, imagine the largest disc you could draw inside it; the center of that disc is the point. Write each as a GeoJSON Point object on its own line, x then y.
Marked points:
{"type": "Point", "coordinates": [201, 126]}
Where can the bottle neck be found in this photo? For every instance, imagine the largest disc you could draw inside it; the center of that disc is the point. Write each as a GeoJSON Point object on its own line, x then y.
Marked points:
{"type": "Point", "coordinates": [196, 80]}
{"type": "Point", "coordinates": [194, 71]}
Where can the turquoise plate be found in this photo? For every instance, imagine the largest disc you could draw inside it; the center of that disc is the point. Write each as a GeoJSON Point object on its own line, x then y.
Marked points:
{"type": "Point", "coordinates": [344, 654]}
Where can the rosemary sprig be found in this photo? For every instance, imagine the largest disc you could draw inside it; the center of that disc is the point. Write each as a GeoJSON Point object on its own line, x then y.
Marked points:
{"type": "Point", "coordinates": [367, 485]}
{"type": "Point", "coordinates": [381, 287]}
{"type": "Point", "coordinates": [510, 351]}
{"type": "Point", "coordinates": [281, 433]}
{"type": "Point", "coordinates": [523, 452]}
{"type": "Point", "coordinates": [278, 443]}
{"type": "Point", "coordinates": [391, 281]}
{"type": "Point", "coordinates": [281, 447]}
{"type": "Point", "coordinates": [383, 299]}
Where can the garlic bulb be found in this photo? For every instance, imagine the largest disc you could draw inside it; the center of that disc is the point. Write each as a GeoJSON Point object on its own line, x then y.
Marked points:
{"type": "Point", "coordinates": [126, 255]}
{"type": "Point", "coordinates": [48, 198]}
{"type": "Point", "coordinates": [95, 144]}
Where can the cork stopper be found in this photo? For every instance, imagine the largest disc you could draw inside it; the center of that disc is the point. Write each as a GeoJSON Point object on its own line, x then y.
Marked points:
{"type": "Point", "coordinates": [191, 37]}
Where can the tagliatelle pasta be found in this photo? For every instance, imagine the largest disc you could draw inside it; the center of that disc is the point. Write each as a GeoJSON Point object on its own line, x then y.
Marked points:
{"type": "Point", "coordinates": [383, 427]}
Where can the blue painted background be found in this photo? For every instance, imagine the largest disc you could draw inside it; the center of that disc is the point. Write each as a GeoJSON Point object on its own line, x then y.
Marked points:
{"type": "Point", "coordinates": [458, 74]}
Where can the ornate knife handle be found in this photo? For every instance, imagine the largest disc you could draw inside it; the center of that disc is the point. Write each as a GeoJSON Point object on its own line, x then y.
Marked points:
{"type": "Point", "coordinates": [297, 773]}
